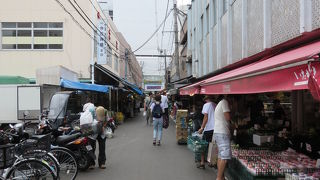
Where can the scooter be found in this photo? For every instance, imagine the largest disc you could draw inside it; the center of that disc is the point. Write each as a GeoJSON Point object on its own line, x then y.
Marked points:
{"type": "Point", "coordinates": [111, 123]}
{"type": "Point", "coordinates": [72, 139]}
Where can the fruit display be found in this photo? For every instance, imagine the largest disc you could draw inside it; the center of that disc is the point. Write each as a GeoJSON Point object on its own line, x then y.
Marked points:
{"type": "Point", "coordinates": [268, 163]}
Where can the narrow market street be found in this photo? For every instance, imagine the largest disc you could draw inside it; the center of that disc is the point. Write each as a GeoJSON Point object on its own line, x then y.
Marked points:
{"type": "Point", "coordinates": [131, 155]}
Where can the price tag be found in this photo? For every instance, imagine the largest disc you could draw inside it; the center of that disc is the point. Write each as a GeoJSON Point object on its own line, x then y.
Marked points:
{"type": "Point", "coordinates": [301, 145]}
{"type": "Point", "coordinates": [290, 142]}
{"type": "Point", "coordinates": [308, 147]}
{"type": "Point", "coordinates": [235, 132]}
{"type": "Point", "coordinates": [269, 139]}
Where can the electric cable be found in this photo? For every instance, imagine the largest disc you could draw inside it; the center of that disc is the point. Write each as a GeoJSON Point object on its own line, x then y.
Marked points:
{"type": "Point", "coordinates": [164, 23]}
{"type": "Point", "coordinates": [95, 28]}
{"type": "Point", "coordinates": [152, 33]}
{"type": "Point", "coordinates": [81, 27]}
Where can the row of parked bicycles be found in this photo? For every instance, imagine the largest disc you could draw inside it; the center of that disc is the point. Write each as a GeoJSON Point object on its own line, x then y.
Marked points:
{"type": "Point", "coordinates": [52, 153]}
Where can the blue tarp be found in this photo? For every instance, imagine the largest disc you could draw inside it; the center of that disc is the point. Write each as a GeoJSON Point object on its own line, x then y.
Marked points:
{"type": "Point", "coordinates": [133, 87]}
{"type": "Point", "coordinates": [83, 86]}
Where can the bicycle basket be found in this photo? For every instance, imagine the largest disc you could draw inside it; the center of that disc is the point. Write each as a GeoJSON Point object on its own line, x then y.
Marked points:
{"type": "Point", "coordinates": [7, 157]}
{"type": "Point", "coordinates": [42, 142]}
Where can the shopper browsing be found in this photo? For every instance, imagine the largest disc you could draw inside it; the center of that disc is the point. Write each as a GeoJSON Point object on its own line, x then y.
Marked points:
{"type": "Point", "coordinates": [164, 103]}
{"type": "Point", "coordinates": [157, 110]}
{"type": "Point", "coordinates": [222, 135]}
{"type": "Point", "coordinates": [147, 104]}
{"type": "Point", "coordinates": [207, 126]}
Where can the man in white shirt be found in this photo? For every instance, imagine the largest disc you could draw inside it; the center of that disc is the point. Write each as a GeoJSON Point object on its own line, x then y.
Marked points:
{"type": "Point", "coordinates": [222, 135]}
{"type": "Point", "coordinates": [207, 126]}
{"type": "Point", "coordinates": [164, 104]}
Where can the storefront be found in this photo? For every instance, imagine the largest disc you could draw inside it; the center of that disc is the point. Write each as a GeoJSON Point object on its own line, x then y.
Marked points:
{"type": "Point", "coordinates": [274, 104]}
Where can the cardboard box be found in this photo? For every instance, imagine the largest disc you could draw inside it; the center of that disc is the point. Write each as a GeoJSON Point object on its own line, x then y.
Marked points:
{"type": "Point", "coordinates": [260, 139]}
{"type": "Point", "coordinates": [181, 134]}
{"type": "Point", "coordinates": [182, 117]}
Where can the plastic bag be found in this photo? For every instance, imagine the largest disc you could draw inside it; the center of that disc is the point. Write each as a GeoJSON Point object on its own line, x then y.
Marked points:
{"type": "Point", "coordinates": [144, 113]}
{"type": "Point", "coordinates": [86, 118]}
{"type": "Point", "coordinates": [196, 134]}
{"type": "Point", "coordinates": [108, 132]}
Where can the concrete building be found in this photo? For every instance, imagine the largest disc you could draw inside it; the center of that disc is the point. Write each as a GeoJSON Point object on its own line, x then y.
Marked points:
{"type": "Point", "coordinates": [75, 34]}
{"type": "Point", "coordinates": [107, 7]}
{"type": "Point", "coordinates": [130, 68]}
{"type": "Point", "coordinates": [222, 32]}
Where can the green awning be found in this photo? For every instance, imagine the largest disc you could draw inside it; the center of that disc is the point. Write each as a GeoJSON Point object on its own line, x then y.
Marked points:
{"type": "Point", "coordinates": [14, 80]}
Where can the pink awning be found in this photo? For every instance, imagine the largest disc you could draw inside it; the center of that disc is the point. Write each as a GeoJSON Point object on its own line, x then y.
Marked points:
{"type": "Point", "coordinates": [283, 72]}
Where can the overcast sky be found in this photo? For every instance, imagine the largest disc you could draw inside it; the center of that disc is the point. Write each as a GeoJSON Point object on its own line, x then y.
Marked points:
{"type": "Point", "coordinates": [136, 20]}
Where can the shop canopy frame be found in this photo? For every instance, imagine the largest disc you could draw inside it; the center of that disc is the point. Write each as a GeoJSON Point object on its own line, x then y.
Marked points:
{"type": "Point", "coordinates": [84, 86]}
{"type": "Point", "coordinates": [128, 85]}
{"type": "Point", "coordinates": [284, 72]}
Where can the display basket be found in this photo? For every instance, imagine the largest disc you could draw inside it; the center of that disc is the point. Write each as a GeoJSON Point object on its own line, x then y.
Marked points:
{"type": "Point", "coordinates": [197, 145]}
{"type": "Point", "coordinates": [7, 156]}
{"type": "Point", "coordinates": [28, 146]}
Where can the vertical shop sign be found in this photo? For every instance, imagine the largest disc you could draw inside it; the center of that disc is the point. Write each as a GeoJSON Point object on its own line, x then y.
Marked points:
{"type": "Point", "coordinates": [102, 43]}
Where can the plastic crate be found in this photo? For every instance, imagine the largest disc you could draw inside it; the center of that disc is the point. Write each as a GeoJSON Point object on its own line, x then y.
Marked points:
{"type": "Point", "coordinates": [7, 156]}
{"type": "Point", "coordinates": [197, 145]}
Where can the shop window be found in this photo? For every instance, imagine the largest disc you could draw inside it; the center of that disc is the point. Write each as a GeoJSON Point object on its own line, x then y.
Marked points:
{"type": "Point", "coordinates": [27, 35]}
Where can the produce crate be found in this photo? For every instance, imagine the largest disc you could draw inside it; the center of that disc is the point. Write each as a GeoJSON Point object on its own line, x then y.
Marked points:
{"type": "Point", "coordinates": [197, 145]}
{"type": "Point", "coordinates": [236, 171]}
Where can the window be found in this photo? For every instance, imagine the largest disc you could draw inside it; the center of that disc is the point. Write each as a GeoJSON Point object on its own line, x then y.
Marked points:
{"type": "Point", "coordinates": [36, 35]}
{"type": "Point", "coordinates": [116, 63]}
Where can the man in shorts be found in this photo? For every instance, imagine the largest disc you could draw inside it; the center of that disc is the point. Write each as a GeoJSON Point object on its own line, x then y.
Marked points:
{"type": "Point", "coordinates": [222, 135]}
{"type": "Point", "coordinates": [207, 124]}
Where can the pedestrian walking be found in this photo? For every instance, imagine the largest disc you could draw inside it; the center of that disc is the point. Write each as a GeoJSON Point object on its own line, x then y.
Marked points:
{"type": "Point", "coordinates": [208, 124]}
{"type": "Point", "coordinates": [222, 135]}
{"type": "Point", "coordinates": [157, 110]}
{"type": "Point", "coordinates": [147, 103]}
{"type": "Point", "coordinates": [101, 115]}
{"type": "Point", "coordinates": [164, 102]}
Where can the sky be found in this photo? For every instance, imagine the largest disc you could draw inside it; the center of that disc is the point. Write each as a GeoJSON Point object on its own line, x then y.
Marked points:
{"type": "Point", "coordinates": [137, 20]}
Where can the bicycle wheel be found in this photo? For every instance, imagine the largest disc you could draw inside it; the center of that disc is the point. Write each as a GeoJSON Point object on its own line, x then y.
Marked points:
{"type": "Point", "coordinates": [31, 169]}
{"type": "Point", "coordinates": [68, 163]}
{"type": "Point", "coordinates": [46, 156]}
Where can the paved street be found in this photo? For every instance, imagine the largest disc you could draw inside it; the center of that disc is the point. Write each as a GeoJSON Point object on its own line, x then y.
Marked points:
{"type": "Point", "coordinates": [131, 155]}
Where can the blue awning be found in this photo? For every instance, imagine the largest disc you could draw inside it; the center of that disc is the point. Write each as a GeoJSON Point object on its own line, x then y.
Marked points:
{"type": "Point", "coordinates": [133, 87]}
{"type": "Point", "coordinates": [83, 86]}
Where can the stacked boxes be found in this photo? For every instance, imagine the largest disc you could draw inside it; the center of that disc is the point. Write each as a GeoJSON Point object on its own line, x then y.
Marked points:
{"type": "Point", "coordinates": [182, 126]}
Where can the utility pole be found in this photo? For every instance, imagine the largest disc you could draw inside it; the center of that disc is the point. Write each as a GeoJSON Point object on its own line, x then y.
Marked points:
{"type": "Point", "coordinates": [176, 52]}
{"type": "Point", "coordinates": [126, 64]}
{"type": "Point", "coordinates": [165, 69]}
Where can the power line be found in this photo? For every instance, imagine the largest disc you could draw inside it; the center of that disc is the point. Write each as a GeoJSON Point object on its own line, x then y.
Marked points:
{"type": "Point", "coordinates": [164, 23]}
{"type": "Point", "coordinates": [104, 20]}
{"type": "Point", "coordinates": [94, 27]}
{"type": "Point", "coordinates": [77, 22]}
{"type": "Point", "coordinates": [153, 33]}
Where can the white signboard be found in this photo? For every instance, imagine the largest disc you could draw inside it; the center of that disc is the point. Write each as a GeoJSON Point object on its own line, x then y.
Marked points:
{"type": "Point", "coordinates": [102, 43]}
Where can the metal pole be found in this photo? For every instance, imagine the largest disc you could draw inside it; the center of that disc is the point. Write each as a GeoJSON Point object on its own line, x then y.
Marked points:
{"type": "Point", "coordinates": [165, 69]}
{"type": "Point", "coordinates": [176, 38]}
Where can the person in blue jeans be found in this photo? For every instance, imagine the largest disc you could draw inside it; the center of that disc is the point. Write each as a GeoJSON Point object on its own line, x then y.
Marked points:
{"type": "Point", "coordinates": [157, 110]}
